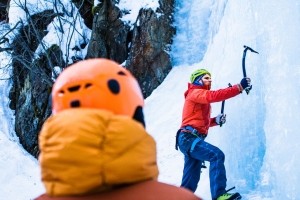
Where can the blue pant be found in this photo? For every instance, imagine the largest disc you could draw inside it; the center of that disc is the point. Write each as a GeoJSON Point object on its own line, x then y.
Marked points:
{"type": "Point", "coordinates": [195, 151]}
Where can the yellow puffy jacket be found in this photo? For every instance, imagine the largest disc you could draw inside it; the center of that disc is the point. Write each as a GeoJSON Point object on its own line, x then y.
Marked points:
{"type": "Point", "coordinates": [85, 151]}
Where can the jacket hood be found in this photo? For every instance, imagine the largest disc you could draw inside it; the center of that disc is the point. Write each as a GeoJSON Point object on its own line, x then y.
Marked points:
{"type": "Point", "coordinates": [86, 151]}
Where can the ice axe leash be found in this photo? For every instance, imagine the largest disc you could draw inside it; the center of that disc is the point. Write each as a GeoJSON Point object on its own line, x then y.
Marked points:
{"type": "Point", "coordinates": [244, 66]}
{"type": "Point", "coordinates": [223, 105]}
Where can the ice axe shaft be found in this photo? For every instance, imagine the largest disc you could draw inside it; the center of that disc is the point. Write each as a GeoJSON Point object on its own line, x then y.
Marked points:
{"type": "Point", "coordinates": [244, 65]}
{"type": "Point", "coordinates": [223, 105]}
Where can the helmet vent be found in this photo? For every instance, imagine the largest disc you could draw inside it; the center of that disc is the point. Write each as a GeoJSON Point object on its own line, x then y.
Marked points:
{"type": "Point", "coordinates": [75, 104]}
{"type": "Point", "coordinates": [74, 88]}
{"type": "Point", "coordinates": [121, 73]}
{"type": "Point", "coordinates": [88, 85]}
{"type": "Point", "coordinates": [138, 115]}
{"type": "Point", "coordinates": [113, 86]}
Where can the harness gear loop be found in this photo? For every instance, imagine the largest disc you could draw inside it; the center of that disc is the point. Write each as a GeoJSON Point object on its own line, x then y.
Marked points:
{"type": "Point", "coordinates": [176, 140]}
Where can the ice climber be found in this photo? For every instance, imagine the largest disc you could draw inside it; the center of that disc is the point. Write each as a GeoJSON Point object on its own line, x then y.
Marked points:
{"type": "Point", "coordinates": [190, 138]}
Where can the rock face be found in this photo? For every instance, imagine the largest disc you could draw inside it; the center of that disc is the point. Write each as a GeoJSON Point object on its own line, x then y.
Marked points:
{"type": "Point", "coordinates": [109, 37]}
{"type": "Point", "coordinates": [142, 49]}
{"type": "Point", "coordinates": [32, 82]}
{"type": "Point", "coordinates": [145, 48]}
{"type": "Point", "coordinates": [151, 35]}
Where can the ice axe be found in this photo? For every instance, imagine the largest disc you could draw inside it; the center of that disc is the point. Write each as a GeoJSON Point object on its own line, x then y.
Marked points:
{"type": "Point", "coordinates": [223, 105]}
{"type": "Point", "coordinates": [244, 67]}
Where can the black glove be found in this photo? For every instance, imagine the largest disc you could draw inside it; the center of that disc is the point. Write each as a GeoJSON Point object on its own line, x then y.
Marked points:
{"type": "Point", "coordinates": [246, 83]}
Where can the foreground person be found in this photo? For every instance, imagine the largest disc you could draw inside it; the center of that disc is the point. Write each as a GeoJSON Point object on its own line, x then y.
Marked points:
{"type": "Point", "coordinates": [95, 146]}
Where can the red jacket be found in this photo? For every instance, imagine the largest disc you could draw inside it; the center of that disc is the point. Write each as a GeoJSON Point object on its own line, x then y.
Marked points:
{"type": "Point", "coordinates": [197, 109]}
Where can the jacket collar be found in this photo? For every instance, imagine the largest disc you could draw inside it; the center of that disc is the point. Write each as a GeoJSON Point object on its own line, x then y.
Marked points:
{"type": "Point", "coordinates": [193, 86]}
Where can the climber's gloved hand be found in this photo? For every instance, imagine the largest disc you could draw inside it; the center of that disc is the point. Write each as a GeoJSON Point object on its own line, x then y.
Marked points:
{"type": "Point", "coordinates": [221, 119]}
{"type": "Point", "coordinates": [246, 83]}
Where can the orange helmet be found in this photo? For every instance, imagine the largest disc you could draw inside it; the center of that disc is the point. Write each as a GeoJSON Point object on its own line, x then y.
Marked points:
{"type": "Point", "coordinates": [98, 83]}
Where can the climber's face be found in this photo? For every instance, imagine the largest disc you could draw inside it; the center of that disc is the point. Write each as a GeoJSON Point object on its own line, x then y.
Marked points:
{"type": "Point", "coordinates": [206, 80]}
